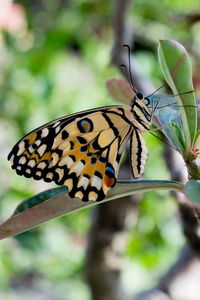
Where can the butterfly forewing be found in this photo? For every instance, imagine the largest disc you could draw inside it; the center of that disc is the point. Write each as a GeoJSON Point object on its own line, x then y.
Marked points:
{"type": "Point", "coordinates": [81, 151]}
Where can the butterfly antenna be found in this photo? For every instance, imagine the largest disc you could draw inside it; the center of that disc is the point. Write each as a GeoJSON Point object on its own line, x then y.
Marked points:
{"type": "Point", "coordinates": [172, 104]}
{"type": "Point", "coordinates": [183, 93]}
{"type": "Point", "coordinates": [129, 66]}
{"type": "Point", "coordinates": [172, 96]}
{"type": "Point", "coordinates": [164, 84]}
{"type": "Point", "coordinates": [126, 72]}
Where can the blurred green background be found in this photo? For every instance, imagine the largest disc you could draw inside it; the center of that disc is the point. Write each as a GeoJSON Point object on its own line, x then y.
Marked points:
{"type": "Point", "coordinates": [54, 60]}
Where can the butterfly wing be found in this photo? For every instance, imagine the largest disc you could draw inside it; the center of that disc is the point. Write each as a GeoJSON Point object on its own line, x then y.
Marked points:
{"type": "Point", "coordinates": [81, 151]}
{"type": "Point", "coordinates": [120, 90]}
{"type": "Point", "coordinates": [138, 153]}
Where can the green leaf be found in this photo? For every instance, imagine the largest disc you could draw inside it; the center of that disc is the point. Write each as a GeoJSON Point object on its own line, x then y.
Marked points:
{"type": "Point", "coordinates": [170, 120]}
{"type": "Point", "coordinates": [192, 190]}
{"type": "Point", "coordinates": [176, 68]}
{"type": "Point", "coordinates": [176, 137]}
{"type": "Point", "coordinates": [39, 198]}
{"type": "Point", "coordinates": [62, 204]}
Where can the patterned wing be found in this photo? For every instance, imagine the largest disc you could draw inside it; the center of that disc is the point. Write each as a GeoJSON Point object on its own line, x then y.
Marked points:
{"type": "Point", "coordinates": [81, 151]}
{"type": "Point", "coordinates": [138, 153]}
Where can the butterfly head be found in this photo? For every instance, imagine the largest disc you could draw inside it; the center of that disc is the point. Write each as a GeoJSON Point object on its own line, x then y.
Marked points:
{"type": "Point", "coordinates": [140, 110]}
{"type": "Point", "coordinates": [140, 100]}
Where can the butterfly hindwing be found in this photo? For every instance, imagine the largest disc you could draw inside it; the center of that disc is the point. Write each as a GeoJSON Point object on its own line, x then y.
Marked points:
{"type": "Point", "coordinates": [96, 172]}
{"type": "Point", "coordinates": [138, 153]}
{"type": "Point", "coordinates": [81, 151]}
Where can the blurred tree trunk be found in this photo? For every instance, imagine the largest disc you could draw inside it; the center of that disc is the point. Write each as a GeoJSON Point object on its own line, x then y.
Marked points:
{"type": "Point", "coordinates": [107, 239]}
{"type": "Point", "coordinates": [107, 236]}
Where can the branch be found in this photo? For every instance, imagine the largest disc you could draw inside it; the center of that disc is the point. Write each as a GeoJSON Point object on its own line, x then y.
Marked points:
{"type": "Point", "coordinates": [180, 282]}
{"type": "Point", "coordinates": [189, 218]}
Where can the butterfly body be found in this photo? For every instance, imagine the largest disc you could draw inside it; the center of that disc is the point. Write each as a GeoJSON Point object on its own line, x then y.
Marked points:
{"type": "Point", "coordinates": [83, 150]}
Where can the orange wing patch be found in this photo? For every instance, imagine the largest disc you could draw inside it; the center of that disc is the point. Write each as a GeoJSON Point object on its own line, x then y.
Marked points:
{"type": "Point", "coordinates": [31, 138]}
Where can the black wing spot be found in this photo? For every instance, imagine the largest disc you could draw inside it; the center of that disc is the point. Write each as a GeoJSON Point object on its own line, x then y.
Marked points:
{"type": "Point", "coordinates": [93, 160]}
{"type": "Point", "coordinates": [73, 157]}
{"type": "Point", "coordinates": [102, 159]}
{"type": "Point", "coordinates": [84, 149]}
{"type": "Point", "coordinates": [83, 161]}
{"type": "Point", "coordinates": [95, 144]}
{"type": "Point", "coordinates": [98, 174]}
{"type": "Point", "coordinates": [81, 140]}
{"type": "Point", "coordinates": [71, 145]}
{"type": "Point", "coordinates": [65, 134]}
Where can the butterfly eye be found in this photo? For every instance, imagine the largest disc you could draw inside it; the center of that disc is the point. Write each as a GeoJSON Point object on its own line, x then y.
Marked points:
{"type": "Point", "coordinates": [146, 101]}
{"type": "Point", "coordinates": [139, 95]}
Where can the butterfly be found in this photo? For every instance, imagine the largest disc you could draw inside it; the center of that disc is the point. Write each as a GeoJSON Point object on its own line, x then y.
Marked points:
{"type": "Point", "coordinates": [82, 151]}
